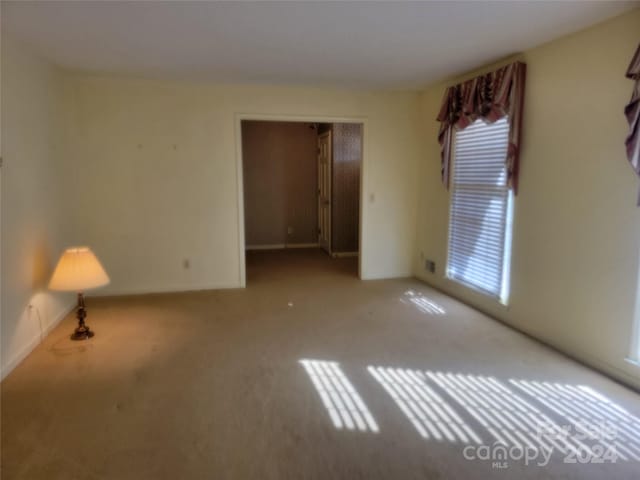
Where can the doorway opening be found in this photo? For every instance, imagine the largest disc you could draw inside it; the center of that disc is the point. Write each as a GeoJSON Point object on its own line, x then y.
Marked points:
{"type": "Point", "coordinates": [301, 185]}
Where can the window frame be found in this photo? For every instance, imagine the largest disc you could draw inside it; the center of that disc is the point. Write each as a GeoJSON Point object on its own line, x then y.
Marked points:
{"type": "Point", "coordinates": [505, 289]}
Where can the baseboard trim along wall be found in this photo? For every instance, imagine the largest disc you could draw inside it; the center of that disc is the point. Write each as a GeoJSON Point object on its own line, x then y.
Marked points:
{"type": "Point", "coordinates": [164, 289]}
{"type": "Point", "coordinates": [281, 246]}
{"type": "Point", "coordinates": [344, 254]}
{"type": "Point", "coordinates": [580, 356]}
{"type": "Point", "coordinates": [36, 340]}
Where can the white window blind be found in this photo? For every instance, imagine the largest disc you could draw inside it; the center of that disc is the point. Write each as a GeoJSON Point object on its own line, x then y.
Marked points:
{"type": "Point", "coordinates": [481, 206]}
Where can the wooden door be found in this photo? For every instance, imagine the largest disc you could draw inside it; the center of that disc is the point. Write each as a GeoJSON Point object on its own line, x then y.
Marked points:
{"type": "Point", "coordinates": [324, 191]}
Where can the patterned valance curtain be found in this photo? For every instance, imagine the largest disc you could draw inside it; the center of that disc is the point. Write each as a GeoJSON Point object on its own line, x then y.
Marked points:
{"type": "Point", "coordinates": [632, 112]}
{"type": "Point", "coordinates": [489, 97]}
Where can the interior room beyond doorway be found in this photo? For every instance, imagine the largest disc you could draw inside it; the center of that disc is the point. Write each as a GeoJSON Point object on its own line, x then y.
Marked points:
{"type": "Point", "coordinates": [301, 183]}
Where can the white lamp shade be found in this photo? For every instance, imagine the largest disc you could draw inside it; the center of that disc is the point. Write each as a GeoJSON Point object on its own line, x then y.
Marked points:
{"type": "Point", "coordinates": [78, 270]}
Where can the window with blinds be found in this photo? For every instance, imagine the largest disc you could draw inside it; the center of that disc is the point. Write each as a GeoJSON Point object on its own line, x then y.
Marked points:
{"type": "Point", "coordinates": [481, 209]}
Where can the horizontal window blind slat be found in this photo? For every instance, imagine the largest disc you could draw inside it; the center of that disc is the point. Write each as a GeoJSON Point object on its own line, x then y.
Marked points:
{"type": "Point", "coordinates": [479, 232]}
{"type": "Point", "coordinates": [480, 270]}
{"type": "Point", "coordinates": [491, 181]}
{"type": "Point", "coordinates": [490, 152]}
{"type": "Point", "coordinates": [461, 260]}
{"type": "Point", "coordinates": [479, 251]}
{"type": "Point", "coordinates": [480, 281]}
{"type": "Point", "coordinates": [479, 189]}
{"type": "Point", "coordinates": [476, 285]}
{"type": "Point", "coordinates": [480, 214]}
{"type": "Point", "coordinates": [477, 214]}
{"type": "Point", "coordinates": [486, 222]}
{"type": "Point", "coordinates": [480, 141]}
{"type": "Point", "coordinates": [478, 278]}
{"type": "Point", "coordinates": [471, 250]}
{"type": "Point", "coordinates": [479, 199]}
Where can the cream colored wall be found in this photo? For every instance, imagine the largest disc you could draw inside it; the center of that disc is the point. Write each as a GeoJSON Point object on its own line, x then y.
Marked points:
{"type": "Point", "coordinates": [34, 229]}
{"type": "Point", "coordinates": [576, 230]}
{"type": "Point", "coordinates": [155, 175]}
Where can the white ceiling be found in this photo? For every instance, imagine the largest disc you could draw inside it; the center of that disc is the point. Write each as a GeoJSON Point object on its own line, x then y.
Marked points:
{"type": "Point", "coordinates": [398, 45]}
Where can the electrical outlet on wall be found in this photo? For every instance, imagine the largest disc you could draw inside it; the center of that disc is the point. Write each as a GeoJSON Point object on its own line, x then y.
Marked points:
{"type": "Point", "coordinates": [289, 230]}
{"type": "Point", "coordinates": [186, 264]}
{"type": "Point", "coordinates": [430, 266]}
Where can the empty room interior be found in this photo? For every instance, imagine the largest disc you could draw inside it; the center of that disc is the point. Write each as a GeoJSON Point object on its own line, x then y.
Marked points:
{"type": "Point", "coordinates": [306, 239]}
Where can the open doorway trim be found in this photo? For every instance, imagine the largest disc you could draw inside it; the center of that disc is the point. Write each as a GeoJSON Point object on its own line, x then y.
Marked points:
{"type": "Point", "coordinates": [239, 117]}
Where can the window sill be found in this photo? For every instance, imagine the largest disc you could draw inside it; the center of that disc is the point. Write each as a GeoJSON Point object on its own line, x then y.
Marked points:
{"type": "Point", "coordinates": [633, 361]}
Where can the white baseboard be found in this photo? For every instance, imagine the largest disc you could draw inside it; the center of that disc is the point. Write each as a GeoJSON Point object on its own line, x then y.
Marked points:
{"type": "Point", "coordinates": [587, 359]}
{"type": "Point", "coordinates": [344, 254]}
{"type": "Point", "coordinates": [163, 289]}
{"type": "Point", "coordinates": [35, 341]}
{"type": "Point", "coordinates": [390, 276]}
{"type": "Point", "coordinates": [281, 246]}
{"type": "Point", "coordinates": [578, 355]}
{"type": "Point", "coordinates": [275, 246]}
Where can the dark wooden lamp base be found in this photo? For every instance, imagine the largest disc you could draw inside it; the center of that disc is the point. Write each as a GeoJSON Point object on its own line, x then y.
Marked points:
{"type": "Point", "coordinates": [82, 332]}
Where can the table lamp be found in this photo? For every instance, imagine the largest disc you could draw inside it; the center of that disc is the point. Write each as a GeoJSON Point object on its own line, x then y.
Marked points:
{"type": "Point", "coordinates": [79, 270]}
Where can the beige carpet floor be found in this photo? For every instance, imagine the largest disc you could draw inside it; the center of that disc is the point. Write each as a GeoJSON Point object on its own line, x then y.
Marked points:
{"type": "Point", "coordinates": [308, 373]}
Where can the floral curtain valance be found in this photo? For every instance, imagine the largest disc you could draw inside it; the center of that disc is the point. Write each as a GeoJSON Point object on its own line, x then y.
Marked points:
{"type": "Point", "coordinates": [489, 97]}
{"type": "Point", "coordinates": [632, 112]}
